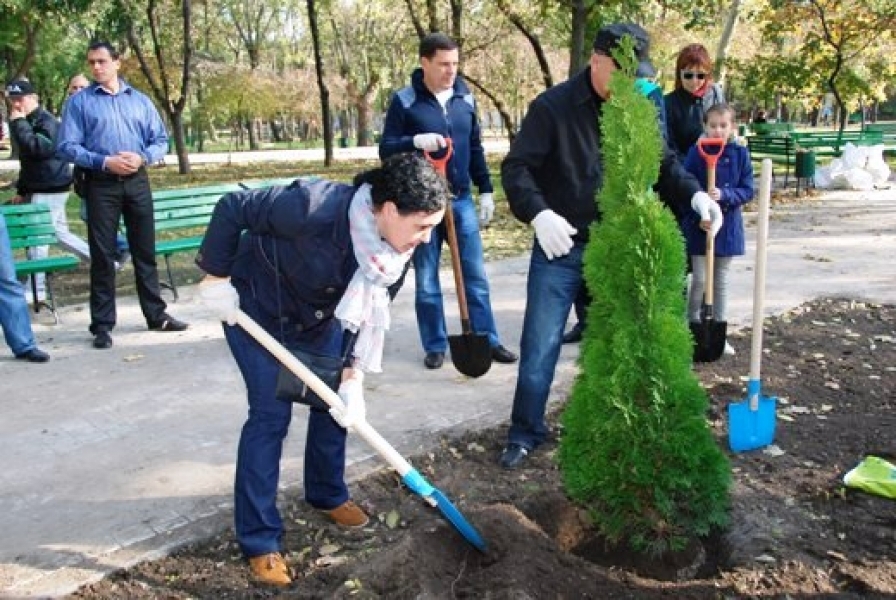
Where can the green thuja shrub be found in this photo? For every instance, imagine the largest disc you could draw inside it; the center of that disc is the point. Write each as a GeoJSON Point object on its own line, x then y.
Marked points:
{"type": "Point", "coordinates": [636, 449]}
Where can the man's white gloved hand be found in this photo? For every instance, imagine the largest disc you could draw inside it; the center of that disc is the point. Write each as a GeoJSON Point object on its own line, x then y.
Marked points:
{"type": "Point", "coordinates": [710, 212]}
{"type": "Point", "coordinates": [486, 208]}
{"type": "Point", "coordinates": [351, 391]}
{"type": "Point", "coordinates": [222, 299]}
{"type": "Point", "coordinates": [554, 233]}
{"type": "Point", "coordinates": [430, 142]}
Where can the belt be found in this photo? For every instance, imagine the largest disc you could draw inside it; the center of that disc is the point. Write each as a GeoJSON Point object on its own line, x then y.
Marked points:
{"type": "Point", "coordinates": [107, 176]}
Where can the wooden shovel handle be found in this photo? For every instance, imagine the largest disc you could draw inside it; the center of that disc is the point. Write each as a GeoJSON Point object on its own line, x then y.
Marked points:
{"type": "Point", "coordinates": [451, 232]}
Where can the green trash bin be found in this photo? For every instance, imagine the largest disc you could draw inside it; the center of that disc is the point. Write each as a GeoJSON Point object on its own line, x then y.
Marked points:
{"type": "Point", "coordinates": [804, 168]}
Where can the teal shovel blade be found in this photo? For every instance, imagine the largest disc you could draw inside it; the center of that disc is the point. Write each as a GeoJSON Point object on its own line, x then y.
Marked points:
{"type": "Point", "coordinates": [419, 485]}
{"type": "Point", "coordinates": [751, 424]}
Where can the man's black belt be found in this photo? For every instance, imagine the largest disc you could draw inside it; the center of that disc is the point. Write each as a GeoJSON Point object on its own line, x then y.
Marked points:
{"type": "Point", "coordinates": [109, 176]}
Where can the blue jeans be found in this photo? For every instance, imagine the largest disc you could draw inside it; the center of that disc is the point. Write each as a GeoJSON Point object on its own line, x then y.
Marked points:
{"type": "Point", "coordinates": [259, 527]}
{"type": "Point", "coordinates": [430, 311]}
{"type": "Point", "coordinates": [14, 318]}
{"type": "Point", "coordinates": [551, 289]}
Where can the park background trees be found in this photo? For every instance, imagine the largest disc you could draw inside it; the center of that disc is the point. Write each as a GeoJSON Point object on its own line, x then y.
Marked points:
{"type": "Point", "coordinates": [251, 67]}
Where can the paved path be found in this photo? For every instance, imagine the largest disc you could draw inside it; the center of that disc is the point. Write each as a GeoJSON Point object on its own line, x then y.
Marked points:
{"type": "Point", "coordinates": [111, 457]}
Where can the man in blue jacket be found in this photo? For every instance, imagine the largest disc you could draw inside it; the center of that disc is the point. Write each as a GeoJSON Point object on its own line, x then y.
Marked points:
{"type": "Point", "coordinates": [438, 105]}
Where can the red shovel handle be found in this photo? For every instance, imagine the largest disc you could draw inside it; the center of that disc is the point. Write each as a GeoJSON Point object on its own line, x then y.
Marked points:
{"type": "Point", "coordinates": [441, 163]}
{"type": "Point", "coordinates": [711, 158]}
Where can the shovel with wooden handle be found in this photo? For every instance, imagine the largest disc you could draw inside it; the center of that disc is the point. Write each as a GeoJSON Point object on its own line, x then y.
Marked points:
{"type": "Point", "coordinates": [709, 334]}
{"type": "Point", "coordinates": [751, 423]}
{"type": "Point", "coordinates": [410, 476]}
{"type": "Point", "coordinates": [471, 352]}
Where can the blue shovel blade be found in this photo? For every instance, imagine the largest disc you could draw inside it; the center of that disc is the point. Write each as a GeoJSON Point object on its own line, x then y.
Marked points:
{"type": "Point", "coordinates": [749, 429]}
{"type": "Point", "coordinates": [450, 512]}
{"type": "Point", "coordinates": [419, 485]}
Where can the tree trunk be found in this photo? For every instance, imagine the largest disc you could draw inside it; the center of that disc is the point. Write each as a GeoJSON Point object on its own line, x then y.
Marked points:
{"type": "Point", "coordinates": [578, 26]}
{"type": "Point", "coordinates": [506, 118]}
{"type": "Point", "coordinates": [321, 84]}
{"type": "Point", "coordinates": [725, 40]}
{"type": "Point", "coordinates": [180, 143]}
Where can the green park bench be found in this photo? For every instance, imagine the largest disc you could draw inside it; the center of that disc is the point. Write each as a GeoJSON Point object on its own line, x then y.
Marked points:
{"type": "Point", "coordinates": [31, 225]}
{"type": "Point", "coordinates": [831, 143]}
{"type": "Point", "coordinates": [887, 131]}
{"type": "Point", "coordinates": [779, 148]}
{"type": "Point", "coordinates": [181, 216]}
{"type": "Point", "coordinates": [771, 128]}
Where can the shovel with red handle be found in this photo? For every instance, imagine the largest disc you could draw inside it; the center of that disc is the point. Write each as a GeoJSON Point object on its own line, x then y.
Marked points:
{"type": "Point", "coordinates": [709, 334]}
{"type": "Point", "coordinates": [471, 352]}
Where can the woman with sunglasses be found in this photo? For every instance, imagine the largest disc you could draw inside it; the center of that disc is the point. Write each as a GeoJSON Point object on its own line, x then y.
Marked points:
{"type": "Point", "coordinates": [694, 93]}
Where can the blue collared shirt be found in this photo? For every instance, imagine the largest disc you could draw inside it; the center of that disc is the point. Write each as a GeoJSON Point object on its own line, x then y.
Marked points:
{"type": "Point", "coordinates": [97, 124]}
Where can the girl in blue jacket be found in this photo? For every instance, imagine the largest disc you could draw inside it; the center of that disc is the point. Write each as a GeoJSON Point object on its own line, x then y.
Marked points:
{"type": "Point", "coordinates": [733, 189]}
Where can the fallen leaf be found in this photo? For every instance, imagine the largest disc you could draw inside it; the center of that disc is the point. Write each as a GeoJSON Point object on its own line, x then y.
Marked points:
{"type": "Point", "coordinates": [392, 519]}
{"type": "Point", "coordinates": [328, 549]}
{"type": "Point", "coordinates": [133, 357]}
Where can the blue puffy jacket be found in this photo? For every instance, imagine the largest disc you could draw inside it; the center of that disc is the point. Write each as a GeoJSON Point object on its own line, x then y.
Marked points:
{"type": "Point", "coordinates": [303, 230]}
{"type": "Point", "coordinates": [414, 109]}
{"type": "Point", "coordinates": [734, 178]}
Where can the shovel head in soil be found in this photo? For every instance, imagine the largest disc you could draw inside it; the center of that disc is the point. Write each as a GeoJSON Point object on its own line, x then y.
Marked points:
{"type": "Point", "coordinates": [709, 339]}
{"type": "Point", "coordinates": [411, 477]}
{"type": "Point", "coordinates": [751, 424]}
{"type": "Point", "coordinates": [471, 353]}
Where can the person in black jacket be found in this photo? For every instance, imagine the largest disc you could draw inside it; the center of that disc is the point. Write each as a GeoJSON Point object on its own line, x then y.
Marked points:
{"type": "Point", "coordinates": [43, 178]}
{"type": "Point", "coordinates": [309, 263]}
{"type": "Point", "coordinates": [551, 175]}
{"type": "Point", "coordinates": [438, 105]}
{"type": "Point", "coordinates": [694, 93]}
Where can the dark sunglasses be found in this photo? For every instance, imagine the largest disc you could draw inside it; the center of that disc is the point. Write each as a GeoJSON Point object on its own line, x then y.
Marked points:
{"type": "Point", "coordinates": [691, 75]}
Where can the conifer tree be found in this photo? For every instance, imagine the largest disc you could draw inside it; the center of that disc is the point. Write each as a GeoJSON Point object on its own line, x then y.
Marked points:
{"type": "Point", "coordinates": [636, 449]}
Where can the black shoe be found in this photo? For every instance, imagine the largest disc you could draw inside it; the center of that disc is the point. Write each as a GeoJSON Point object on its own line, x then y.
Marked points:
{"type": "Point", "coordinates": [35, 355]}
{"type": "Point", "coordinates": [434, 360]}
{"type": "Point", "coordinates": [102, 340]}
{"type": "Point", "coordinates": [574, 335]}
{"type": "Point", "coordinates": [513, 456]}
{"type": "Point", "coordinates": [503, 355]}
{"type": "Point", "coordinates": [169, 323]}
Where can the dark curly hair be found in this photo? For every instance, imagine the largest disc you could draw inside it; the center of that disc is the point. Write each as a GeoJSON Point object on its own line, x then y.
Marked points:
{"type": "Point", "coordinates": [410, 182]}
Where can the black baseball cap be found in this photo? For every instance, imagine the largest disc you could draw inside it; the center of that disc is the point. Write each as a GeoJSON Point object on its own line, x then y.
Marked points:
{"type": "Point", "coordinates": [18, 88]}
{"type": "Point", "coordinates": [609, 37]}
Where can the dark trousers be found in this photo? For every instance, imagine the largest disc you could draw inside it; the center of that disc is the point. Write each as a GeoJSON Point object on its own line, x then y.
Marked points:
{"type": "Point", "coordinates": [109, 198]}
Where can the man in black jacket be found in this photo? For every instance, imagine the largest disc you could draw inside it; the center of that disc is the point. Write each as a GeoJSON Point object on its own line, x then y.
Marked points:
{"type": "Point", "coordinates": [43, 178]}
{"type": "Point", "coordinates": [551, 175]}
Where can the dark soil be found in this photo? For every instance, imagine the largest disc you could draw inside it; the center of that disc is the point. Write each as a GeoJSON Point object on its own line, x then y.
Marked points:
{"type": "Point", "coordinates": [795, 532]}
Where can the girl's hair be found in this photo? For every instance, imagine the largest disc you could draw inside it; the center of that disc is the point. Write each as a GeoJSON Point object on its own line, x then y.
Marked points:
{"type": "Point", "coordinates": [410, 182]}
{"type": "Point", "coordinates": [719, 109]}
{"type": "Point", "coordinates": [691, 55]}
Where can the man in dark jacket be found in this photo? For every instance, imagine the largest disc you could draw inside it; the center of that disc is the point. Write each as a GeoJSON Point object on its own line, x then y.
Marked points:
{"type": "Point", "coordinates": [438, 105]}
{"type": "Point", "coordinates": [551, 175]}
{"type": "Point", "coordinates": [43, 178]}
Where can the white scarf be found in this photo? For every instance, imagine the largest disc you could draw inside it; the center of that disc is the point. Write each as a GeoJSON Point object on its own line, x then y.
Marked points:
{"type": "Point", "coordinates": [364, 307]}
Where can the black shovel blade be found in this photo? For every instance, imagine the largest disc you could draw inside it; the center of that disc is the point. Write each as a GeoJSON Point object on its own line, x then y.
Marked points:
{"type": "Point", "coordinates": [709, 340]}
{"type": "Point", "coordinates": [471, 353]}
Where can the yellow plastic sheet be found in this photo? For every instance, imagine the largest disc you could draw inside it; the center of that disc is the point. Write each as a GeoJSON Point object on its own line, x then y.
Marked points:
{"type": "Point", "coordinates": [873, 475]}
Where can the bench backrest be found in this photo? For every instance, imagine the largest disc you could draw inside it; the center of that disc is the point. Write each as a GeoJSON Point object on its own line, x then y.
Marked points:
{"type": "Point", "coordinates": [769, 144]}
{"type": "Point", "coordinates": [836, 141]}
{"type": "Point", "coordinates": [771, 128]}
{"type": "Point", "coordinates": [29, 225]}
{"type": "Point", "coordinates": [187, 207]}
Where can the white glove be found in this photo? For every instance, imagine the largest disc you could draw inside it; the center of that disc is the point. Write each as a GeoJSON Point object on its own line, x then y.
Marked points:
{"type": "Point", "coordinates": [430, 142]}
{"type": "Point", "coordinates": [708, 209]}
{"type": "Point", "coordinates": [486, 208]}
{"type": "Point", "coordinates": [554, 233]}
{"type": "Point", "coordinates": [221, 298]}
{"type": "Point", "coordinates": [351, 392]}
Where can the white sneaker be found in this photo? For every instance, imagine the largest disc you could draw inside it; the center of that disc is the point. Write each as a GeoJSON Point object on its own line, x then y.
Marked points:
{"type": "Point", "coordinates": [729, 350]}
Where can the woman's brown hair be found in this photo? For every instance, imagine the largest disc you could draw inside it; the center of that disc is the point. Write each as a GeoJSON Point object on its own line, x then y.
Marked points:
{"type": "Point", "coordinates": [690, 55]}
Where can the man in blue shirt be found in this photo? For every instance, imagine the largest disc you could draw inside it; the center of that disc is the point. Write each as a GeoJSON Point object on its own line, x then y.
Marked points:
{"type": "Point", "coordinates": [438, 105]}
{"type": "Point", "coordinates": [113, 132]}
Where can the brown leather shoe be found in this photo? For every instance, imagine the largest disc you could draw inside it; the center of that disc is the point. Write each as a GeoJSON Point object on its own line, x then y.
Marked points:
{"type": "Point", "coordinates": [271, 569]}
{"type": "Point", "coordinates": [349, 515]}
